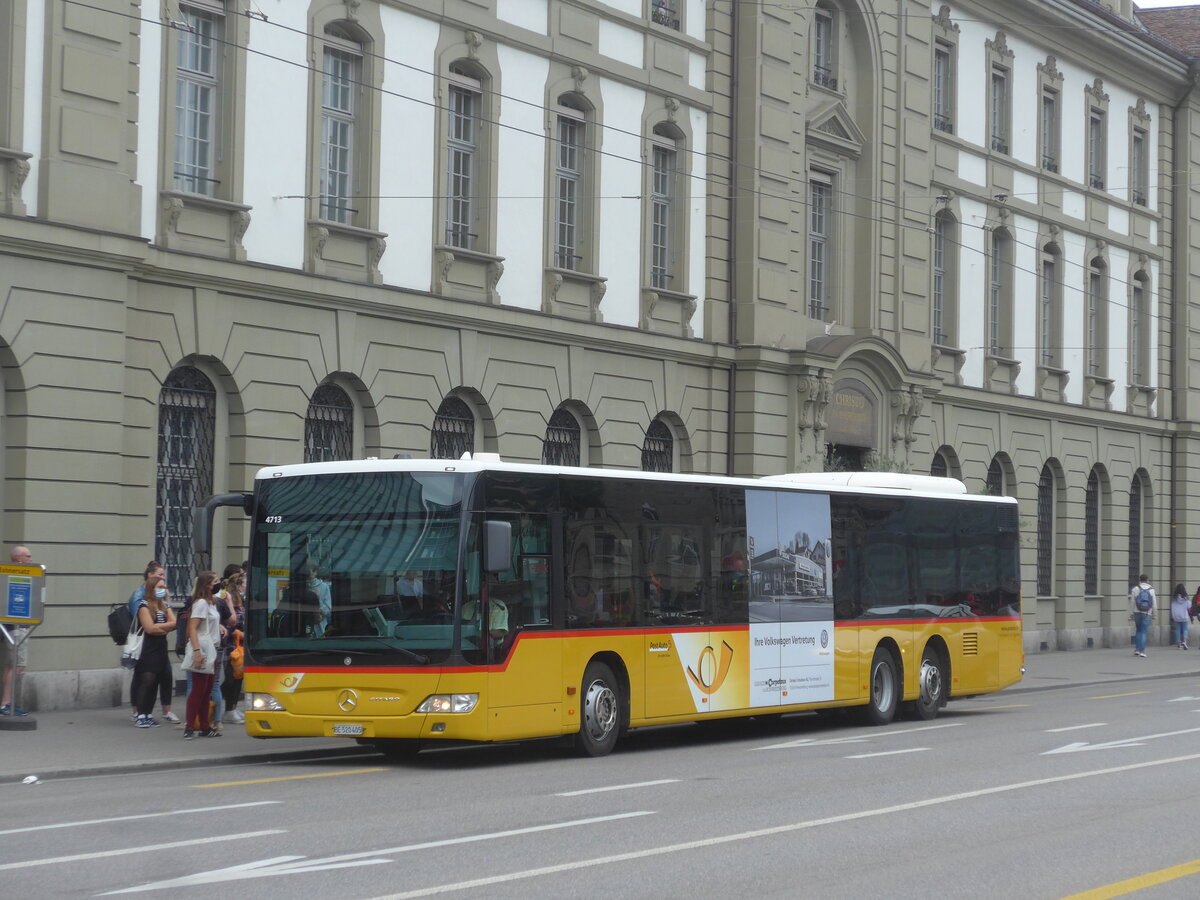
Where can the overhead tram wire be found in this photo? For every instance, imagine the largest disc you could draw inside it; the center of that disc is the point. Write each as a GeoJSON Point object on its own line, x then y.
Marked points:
{"type": "Point", "coordinates": [796, 197]}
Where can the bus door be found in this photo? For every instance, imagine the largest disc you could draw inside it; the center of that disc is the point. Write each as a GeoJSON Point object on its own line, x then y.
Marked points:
{"type": "Point", "coordinates": [524, 659]}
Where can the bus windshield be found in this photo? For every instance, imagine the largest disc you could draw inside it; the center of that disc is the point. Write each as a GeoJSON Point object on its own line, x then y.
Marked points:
{"type": "Point", "coordinates": [355, 568]}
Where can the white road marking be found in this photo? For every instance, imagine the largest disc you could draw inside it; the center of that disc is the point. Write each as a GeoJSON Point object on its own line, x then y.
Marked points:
{"type": "Point", "coordinates": [287, 865]}
{"type": "Point", "coordinates": [888, 753]}
{"type": "Point", "coordinates": [857, 739]}
{"type": "Point", "coordinates": [170, 812]}
{"type": "Point", "coordinates": [617, 787]}
{"type": "Point", "coordinates": [145, 848]}
{"type": "Point", "coordinates": [1076, 727]}
{"type": "Point", "coordinates": [1117, 745]}
{"type": "Point", "coordinates": [575, 865]}
{"type": "Point", "coordinates": [1183, 699]}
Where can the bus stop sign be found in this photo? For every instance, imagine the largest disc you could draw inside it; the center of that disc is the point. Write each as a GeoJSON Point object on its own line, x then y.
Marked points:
{"type": "Point", "coordinates": [22, 594]}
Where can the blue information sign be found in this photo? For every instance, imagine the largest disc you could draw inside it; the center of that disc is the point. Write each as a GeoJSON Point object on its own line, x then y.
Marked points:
{"type": "Point", "coordinates": [19, 592]}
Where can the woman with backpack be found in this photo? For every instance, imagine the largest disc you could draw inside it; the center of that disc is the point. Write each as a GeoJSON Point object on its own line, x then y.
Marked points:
{"type": "Point", "coordinates": [1141, 611]}
{"type": "Point", "coordinates": [231, 685]}
{"type": "Point", "coordinates": [1180, 612]}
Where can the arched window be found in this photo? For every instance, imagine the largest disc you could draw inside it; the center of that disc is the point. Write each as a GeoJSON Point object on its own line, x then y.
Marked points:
{"type": "Point", "coordinates": [187, 416]}
{"type": "Point", "coordinates": [453, 430]}
{"type": "Point", "coordinates": [329, 425]}
{"type": "Point", "coordinates": [1139, 330]}
{"type": "Point", "coordinates": [1136, 519]}
{"type": "Point", "coordinates": [1050, 341]}
{"type": "Point", "coordinates": [999, 324]}
{"type": "Point", "coordinates": [1045, 532]}
{"type": "Point", "coordinates": [562, 444]}
{"type": "Point", "coordinates": [945, 280]}
{"type": "Point", "coordinates": [1096, 326]}
{"type": "Point", "coordinates": [1091, 535]}
{"type": "Point", "coordinates": [658, 451]}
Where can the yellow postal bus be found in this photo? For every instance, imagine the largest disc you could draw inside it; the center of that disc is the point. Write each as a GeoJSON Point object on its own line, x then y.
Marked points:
{"type": "Point", "coordinates": [405, 602]}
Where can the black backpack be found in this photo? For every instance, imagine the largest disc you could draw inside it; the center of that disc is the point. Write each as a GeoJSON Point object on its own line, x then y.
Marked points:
{"type": "Point", "coordinates": [120, 619]}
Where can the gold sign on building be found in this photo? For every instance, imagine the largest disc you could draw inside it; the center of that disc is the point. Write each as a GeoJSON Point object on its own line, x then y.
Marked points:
{"type": "Point", "coordinates": [852, 418]}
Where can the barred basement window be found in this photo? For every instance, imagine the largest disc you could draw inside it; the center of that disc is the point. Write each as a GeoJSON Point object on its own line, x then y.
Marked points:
{"type": "Point", "coordinates": [453, 430]}
{"type": "Point", "coordinates": [1045, 533]}
{"type": "Point", "coordinates": [658, 451]}
{"type": "Point", "coordinates": [1091, 536]}
{"type": "Point", "coordinates": [994, 486]}
{"type": "Point", "coordinates": [561, 446]}
{"type": "Point", "coordinates": [940, 468]}
{"type": "Point", "coordinates": [329, 425]}
{"type": "Point", "coordinates": [187, 419]}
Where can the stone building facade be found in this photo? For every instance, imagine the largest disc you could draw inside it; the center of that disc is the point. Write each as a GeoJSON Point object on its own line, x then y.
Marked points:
{"type": "Point", "coordinates": [732, 238]}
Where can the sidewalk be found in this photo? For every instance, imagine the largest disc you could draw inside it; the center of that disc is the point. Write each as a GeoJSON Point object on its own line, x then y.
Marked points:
{"type": "Point", "coordinates": [95, 741]}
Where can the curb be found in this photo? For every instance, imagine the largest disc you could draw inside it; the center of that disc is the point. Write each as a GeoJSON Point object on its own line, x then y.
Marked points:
{"type": "Point", "coordinates": [193, 763]}
{"type": "Point", "coordinates": [1022, 688]}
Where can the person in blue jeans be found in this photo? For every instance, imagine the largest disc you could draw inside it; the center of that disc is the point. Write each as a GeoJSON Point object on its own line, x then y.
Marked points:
{"type": "Point", "coordinates": [1141, 612]}
{"type": "Point", "coordinates": [1180, 609]}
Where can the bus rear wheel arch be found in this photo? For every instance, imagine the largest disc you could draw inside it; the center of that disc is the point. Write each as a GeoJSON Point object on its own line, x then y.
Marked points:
{"type": "Point", "coordinates": [883, 686]}
{"type": "Point", "coordinates": [603, 715]}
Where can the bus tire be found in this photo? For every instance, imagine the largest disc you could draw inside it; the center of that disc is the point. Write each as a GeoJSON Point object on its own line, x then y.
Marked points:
{"type": "Point", "coordinates": [932, 682]}
{"type": "Point", "coordinates": [885, 688]}
{"type": "Point", "coordinates": [600, 711]}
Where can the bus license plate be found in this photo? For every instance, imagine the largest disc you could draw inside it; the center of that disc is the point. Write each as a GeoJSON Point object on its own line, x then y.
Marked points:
{"type": "Point", "coordinates": [348, 729]}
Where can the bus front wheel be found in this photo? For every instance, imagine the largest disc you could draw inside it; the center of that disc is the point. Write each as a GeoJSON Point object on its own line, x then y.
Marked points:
{"type": "Point", "coordinates": [885, 688]}
{"type": "Point", "coordinates": [600, 710]}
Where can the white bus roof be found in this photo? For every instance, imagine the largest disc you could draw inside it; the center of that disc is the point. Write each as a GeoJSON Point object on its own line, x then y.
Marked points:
{"type": "Point", "coordinates": [843, 482]}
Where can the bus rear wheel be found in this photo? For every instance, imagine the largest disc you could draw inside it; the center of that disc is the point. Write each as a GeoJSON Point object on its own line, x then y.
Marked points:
{"type": "Point", "coordinates": [600, 711]}
{"type": "Point", "coordinates": [885, 688]}
{"type": "Point", "coordinates": [932, 680]}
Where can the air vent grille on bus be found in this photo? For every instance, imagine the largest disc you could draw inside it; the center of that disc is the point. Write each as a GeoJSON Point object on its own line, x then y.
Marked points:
{"type": "Point", "coordinates": [971, 643]}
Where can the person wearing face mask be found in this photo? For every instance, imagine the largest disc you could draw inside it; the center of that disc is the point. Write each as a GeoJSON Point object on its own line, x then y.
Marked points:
{"type": "Point", "coordinates": [324, 601]}
{"type": "Point", "coordinates": [153, 671]}
{"type": "Point", "coordinates": [136, 600]}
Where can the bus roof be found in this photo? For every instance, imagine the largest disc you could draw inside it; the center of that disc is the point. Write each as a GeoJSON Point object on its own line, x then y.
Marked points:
{"type": "Point", "coordinates": [840, 482]}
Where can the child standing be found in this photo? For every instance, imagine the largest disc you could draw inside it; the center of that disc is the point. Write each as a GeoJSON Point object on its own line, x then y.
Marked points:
{"type": "Point", "coordinates": [1180, 613]}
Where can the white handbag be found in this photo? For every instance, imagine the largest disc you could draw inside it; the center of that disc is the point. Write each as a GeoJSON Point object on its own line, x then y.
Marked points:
{"type": "Point", "coordinates": [132, 651]}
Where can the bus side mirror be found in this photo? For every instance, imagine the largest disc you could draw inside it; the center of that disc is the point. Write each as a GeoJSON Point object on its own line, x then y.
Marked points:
{"type": "Point", "coordinates": [497, 546]}
{"type": "Point", "coordinates": [202, 517]}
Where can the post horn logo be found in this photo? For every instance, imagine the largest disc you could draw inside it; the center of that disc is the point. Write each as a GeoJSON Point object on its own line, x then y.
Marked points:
{"type": "Point", "coordinates": [712, 671]}
{"type": "Point", "coordinates": [347, 700]}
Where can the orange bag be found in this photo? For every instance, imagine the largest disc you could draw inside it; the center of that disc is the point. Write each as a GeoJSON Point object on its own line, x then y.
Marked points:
{"type": "Point", "coordinates": [237, 656]}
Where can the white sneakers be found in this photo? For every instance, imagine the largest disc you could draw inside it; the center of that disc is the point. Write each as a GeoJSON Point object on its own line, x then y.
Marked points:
{"type": "Point", "coordinates": [234, 717]}
{"type": "Point", "coordinates": [171, 717]}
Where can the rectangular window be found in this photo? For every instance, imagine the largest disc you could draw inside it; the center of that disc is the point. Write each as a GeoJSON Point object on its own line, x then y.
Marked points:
{"type": "Point", "coordinates": [662, 212]}
{"type": "Point", "coordinates": [1095, 148]}
{"type": "Point", "coordinates": [1050, 130]}
{"type": "Point", "coordinates": [998, 113]}
{"type": "Point", "coordinates": [1138, 168]}
{"type": "Point", "coordinates": [338, 87]}
{"type": "Point", "coordinates": [1046, 313]}
{"type": "Point", "coordinates": [463, 149]}
{"type": "Point", "coordinates": [568, 179]}
{"type": "Point", "coordinates": [820, 214]}
{"type": "Point", "coordinates": [196, 93]}
{"type": "Point", "coordinates": [665, 12]}
{"type": "Point", "coordinates": [943, 88]}
{"type": "Point", "coordinates": [823, 56]}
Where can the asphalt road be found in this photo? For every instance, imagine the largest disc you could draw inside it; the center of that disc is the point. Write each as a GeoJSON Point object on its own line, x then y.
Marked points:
{"type": "Point", "coordinates": [1041, 795]}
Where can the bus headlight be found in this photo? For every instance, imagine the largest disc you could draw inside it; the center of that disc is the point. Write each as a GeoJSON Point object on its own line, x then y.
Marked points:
{"type": "Point", "coordinates": [448, 703]}
{"type": "Point", "coordinates": [263, 703]}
